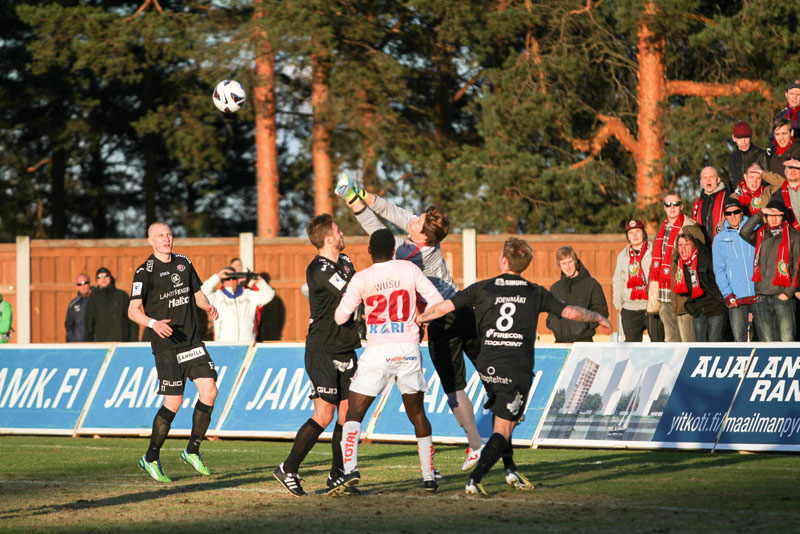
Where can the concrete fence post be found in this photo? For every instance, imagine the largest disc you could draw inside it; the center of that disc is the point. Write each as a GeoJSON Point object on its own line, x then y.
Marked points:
{"type": "Point", "coordinates": [469, 239]}
{"type": "Point", "coordinates": [23, 311]}
{"type": "Point", "coordinates": [247, 250]}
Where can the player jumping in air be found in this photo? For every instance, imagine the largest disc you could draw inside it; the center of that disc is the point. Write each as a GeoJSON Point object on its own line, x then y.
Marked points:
{"type": "Point", "coordinates": [448, 336]}
{"type": "Point", "coordinates": [507, 309]}
{"type": "Point", "coordinates": [164, 297]}
{"type": "Point", "coordinates": [388, 288]}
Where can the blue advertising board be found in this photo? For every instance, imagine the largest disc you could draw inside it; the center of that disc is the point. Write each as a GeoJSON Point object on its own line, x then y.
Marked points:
{"type": "Point", "coordinates": [272, 399]}
{"type": "Point", "coordinates": [765, 415]}
{"type": "Point", "coordinates": [43, 388]}
{"type": "Point", "coordinates": [393, 422]}
{"type": "Point", "coordinates": [127, 398]}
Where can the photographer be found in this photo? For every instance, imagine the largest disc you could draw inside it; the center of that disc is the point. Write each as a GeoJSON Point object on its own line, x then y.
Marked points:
{"type": "Point", "coordinates": [236, 304]}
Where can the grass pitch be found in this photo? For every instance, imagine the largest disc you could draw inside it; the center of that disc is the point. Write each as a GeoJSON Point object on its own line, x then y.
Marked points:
{"type": "Point", "coordinates": [50, 484]}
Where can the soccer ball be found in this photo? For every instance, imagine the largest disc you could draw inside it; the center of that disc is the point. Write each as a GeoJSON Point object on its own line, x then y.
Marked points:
{"type": "Point", "coordinates": [229, 96]}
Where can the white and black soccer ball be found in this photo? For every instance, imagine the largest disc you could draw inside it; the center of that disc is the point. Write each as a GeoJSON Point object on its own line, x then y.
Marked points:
{"type": "Point", "coordinates": [229, 96]}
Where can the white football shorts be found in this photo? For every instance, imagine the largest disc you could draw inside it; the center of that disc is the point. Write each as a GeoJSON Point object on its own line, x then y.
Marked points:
{"type": "Point", "coordinates": [380, 364]}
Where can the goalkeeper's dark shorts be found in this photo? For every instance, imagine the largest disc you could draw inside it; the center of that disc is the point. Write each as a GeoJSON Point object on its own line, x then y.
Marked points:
{"type": "Point", "coordinates": [448, 338]}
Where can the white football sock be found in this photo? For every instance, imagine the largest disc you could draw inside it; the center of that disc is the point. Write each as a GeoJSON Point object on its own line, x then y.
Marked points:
{"type": "Point", "coordinates": [465, 417]}
{"type": "Point", "coordinates": [351, 433]}
{"type": "Point", "coordinates": [425, 450]}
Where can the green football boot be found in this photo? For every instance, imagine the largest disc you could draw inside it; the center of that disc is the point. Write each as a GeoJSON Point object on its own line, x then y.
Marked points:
{"type": "Point", "coordinates": [196, 461]}
{"type": "Point", "coordinates": [153, 469]}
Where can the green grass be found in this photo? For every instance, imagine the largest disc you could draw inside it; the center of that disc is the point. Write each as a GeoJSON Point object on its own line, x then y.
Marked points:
{"type": "Point", "coordinates": [93, 485]}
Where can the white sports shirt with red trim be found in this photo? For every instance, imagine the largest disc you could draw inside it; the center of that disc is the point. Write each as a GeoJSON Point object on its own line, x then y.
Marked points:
{"type": "Point", "coordinates": [389, 292]}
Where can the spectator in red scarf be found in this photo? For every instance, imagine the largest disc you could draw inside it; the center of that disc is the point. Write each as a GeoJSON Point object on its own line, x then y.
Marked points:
{"type": "Point", "coordinates": [677, 322]}
{"type": "Point", "coordinates": [756, 188]}
{"type": "Point", "coordinates": [785, 146]}
{"type": "Point", "coordinates": [745, 153]}
{"type": "Point", "coordinates": [774, 270]}
{"type": "Point", "coordinates": [792, 109]}
{"type": "Point", "coordinates": [789, 193]}
{"type": "Point", "coordinates": [707, 209]}
{"type": "Point", "coordinates": [629, 286]}
{"type": "Point", "coordinates": [694, 278]}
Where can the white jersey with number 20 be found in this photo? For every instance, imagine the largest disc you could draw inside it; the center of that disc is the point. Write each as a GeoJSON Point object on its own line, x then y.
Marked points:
{"type": "Point", "coordinates": [389, 292]}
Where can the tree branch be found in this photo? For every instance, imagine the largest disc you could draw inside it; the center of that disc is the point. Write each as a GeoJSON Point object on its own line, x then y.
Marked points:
{"type": "Point", "coordinates": [144, 6]}
{"type": "Point", "coordinates": [585, 9]}
{"type": "Point", "coordinates": [713, 90]}
{"type": "Point", "coordinates": [612, 127]}
{"type": "Point", "coordinates": [460, 92]}
{"type": "Point", "coordinates": [44, 161]}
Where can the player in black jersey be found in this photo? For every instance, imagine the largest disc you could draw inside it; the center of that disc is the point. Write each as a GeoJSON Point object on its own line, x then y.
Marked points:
{"type": "Point", "coordinates": [165, 291]}
{"type": "Point", "coordinates": [330, 352]}
{"type": "Point", "coordinates": [507, 310]}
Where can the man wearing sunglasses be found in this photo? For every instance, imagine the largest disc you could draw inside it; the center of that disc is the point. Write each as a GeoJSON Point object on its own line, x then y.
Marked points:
{"type": "Point", "coordinates": [677, 322]}
{"type": "Point", "coordinates": [75, 323]}
{"type": "Point", "coordinates": [733, 269]}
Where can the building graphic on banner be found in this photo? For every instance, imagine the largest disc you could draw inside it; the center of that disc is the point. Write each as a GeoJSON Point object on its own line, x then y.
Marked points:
{"type": "Point", "coordinates": [579, 385]}
{"type": "Point", "coordinates": [651, 385]}
{"type": "Point", "coordinates": [619, 377]}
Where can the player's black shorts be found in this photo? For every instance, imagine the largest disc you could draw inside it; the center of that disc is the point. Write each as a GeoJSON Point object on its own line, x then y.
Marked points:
{"type": "Point", "coordinates": [330, 374]}
{"type": "Point", "coordinates": [175, 366]}
{"type": "Point", "coordinates": [507, 389]}
{"type": "Point", "coordinates": [448, 337]}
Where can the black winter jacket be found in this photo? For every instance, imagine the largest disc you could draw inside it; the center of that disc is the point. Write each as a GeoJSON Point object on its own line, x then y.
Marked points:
{"type": "Point", "coordinates": [583, 291]}
{"type": "Point", "coordinates": [75, 323]}
{"type": "Point", "coordinates": [710, 303]}
{"type": "Point", "coordinates": [769, 255]}
{"type": "Point", "coordinates": [739, 161]}
{"type": "Point", "coordinates": [107, 316]}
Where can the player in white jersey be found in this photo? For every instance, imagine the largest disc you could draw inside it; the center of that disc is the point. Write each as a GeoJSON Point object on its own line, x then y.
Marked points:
{"type": "Point", "coordinates": [448, 336]}
{"type": "Point", "coordinates": [388, 289]}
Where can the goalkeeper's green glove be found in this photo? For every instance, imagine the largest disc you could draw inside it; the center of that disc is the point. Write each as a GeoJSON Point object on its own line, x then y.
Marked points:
{"type": "Point", "coordinates": [349, 191]}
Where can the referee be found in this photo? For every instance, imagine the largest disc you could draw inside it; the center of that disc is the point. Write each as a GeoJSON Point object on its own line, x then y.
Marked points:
{"type": "Point", "coordinates": [165, 290]}
{"type": "Point", "coordinates": [507, 309]}
{"type": "Point", "coordinates": [330, 356]}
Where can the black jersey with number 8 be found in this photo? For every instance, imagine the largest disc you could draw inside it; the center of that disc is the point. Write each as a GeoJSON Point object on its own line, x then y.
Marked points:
{"type": "Point", "coordinates": [507, 310]}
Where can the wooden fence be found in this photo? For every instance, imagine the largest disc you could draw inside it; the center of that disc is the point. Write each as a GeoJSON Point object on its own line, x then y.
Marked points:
{"type": "Point", "coordinates": [54, 265]}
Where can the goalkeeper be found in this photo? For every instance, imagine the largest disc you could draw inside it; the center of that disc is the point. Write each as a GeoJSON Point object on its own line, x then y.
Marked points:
{"type": "Point", "coordinates": [449, 335]}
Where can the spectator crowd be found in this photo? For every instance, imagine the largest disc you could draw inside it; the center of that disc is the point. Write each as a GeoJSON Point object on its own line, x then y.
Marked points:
{"type": "Point", "coordinates": [727, 270]}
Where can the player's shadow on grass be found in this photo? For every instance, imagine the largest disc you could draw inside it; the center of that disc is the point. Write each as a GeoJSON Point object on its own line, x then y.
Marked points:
{"type": "Point", "coordinates": [628, 464]}
{"type": "Point", "coordinates": [134, 498]}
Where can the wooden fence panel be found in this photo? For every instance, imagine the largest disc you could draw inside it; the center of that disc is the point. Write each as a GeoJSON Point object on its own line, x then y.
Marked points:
{"type": "Point", "coordinates": [598, 253]}
{"type": "Point", "coordinates": [56, 263]}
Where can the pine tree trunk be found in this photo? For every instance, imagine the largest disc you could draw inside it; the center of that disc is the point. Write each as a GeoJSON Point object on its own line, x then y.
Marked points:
{"type": "Point", "coordinates": [652, 92]}
{"type": "Point", "coordinates": [151, 150]}
{"type": "Point", "coordinates": [320, 133]}
{"type": "Point", "coordinates": [369, 158]}
{"type": "Point", "coordinates": [58, 171]}
{"type": "Point", "coordinates": [266, 134]}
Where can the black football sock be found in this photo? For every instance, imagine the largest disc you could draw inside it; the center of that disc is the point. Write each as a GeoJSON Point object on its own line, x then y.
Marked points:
{"type": "Point", "coordinates": [161, 425]}
{"type": "Point", "coordinates": [337, 465]}
{"type": "Point", "coordinates": [306, 437]}
{"type": "Point", "coordinates": [491, 453]}
{"type": "Point", "coordinates": [508, 458]}
{"type": "Point", "coordinates": [200, 421]}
